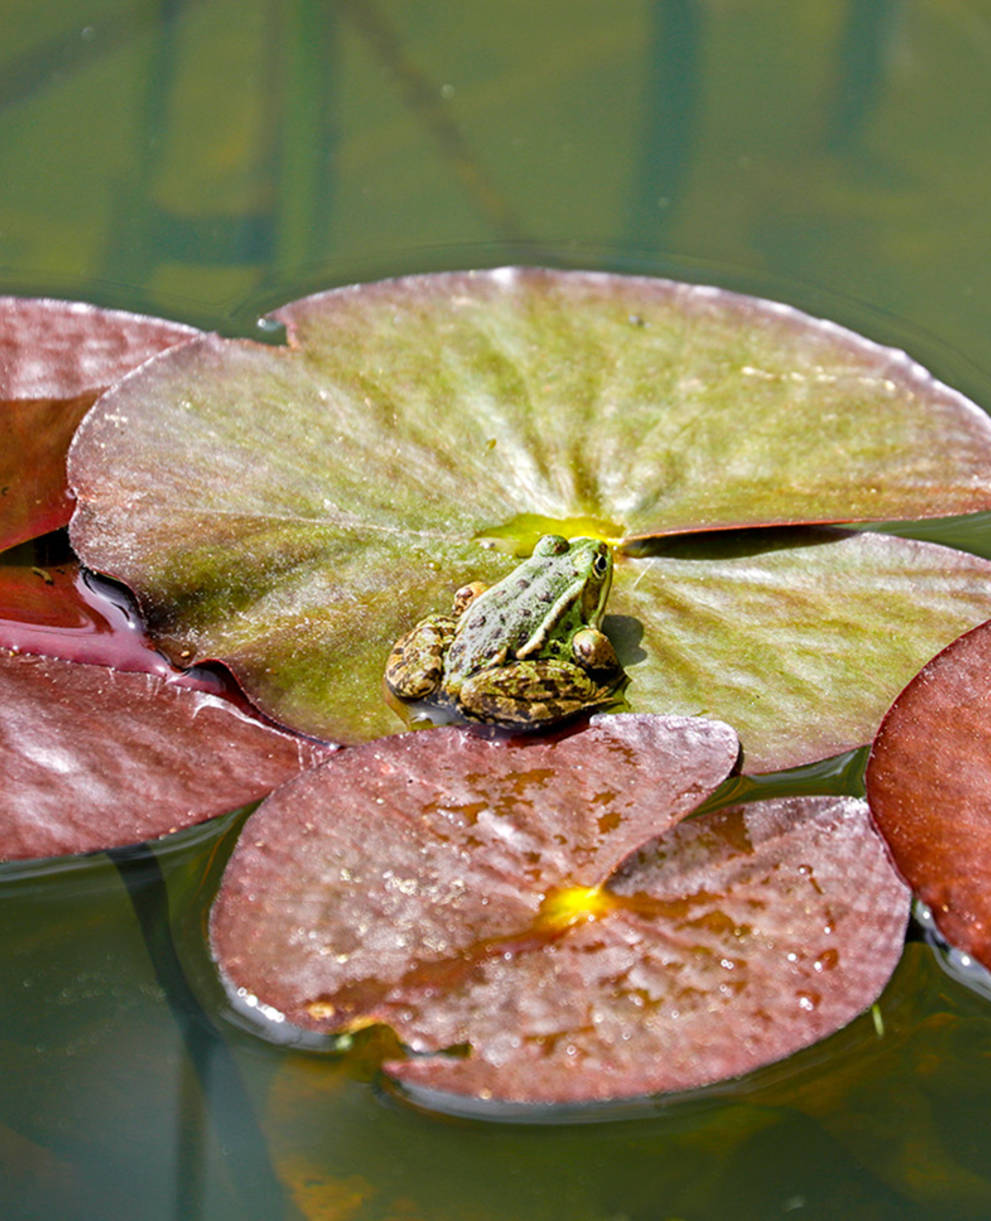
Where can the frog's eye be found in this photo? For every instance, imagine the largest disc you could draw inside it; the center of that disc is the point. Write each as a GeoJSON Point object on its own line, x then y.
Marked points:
{"type": "Point", "coordinates": [600, 565]}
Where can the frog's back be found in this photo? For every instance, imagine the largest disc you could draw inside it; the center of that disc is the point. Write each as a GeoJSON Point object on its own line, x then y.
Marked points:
{"type": "Point", "coordinates": [519, 617]}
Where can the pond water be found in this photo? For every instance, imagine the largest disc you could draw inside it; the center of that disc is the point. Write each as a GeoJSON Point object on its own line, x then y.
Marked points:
{"type": "Point", "coordinates": [207, 160]}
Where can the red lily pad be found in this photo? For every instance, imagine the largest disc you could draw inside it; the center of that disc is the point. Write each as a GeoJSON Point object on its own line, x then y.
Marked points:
{"type": "Point", "coordinates": [929, 788]}
{"type": "Point", "coordinates": [56, 358]}
{"type": "Point", "coordinates": [293, 511]}
{"type": "Point", "coordinates": [58, 611]}
{"type": "Point", "coordinates": [53, 611]}
{"type": "Point", "coordinates": [489, 895]}
{"type": "Point", "coordinates": [93, 758]}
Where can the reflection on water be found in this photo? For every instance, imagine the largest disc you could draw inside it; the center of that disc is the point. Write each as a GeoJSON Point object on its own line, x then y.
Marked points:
{"type": "Point", "coordinates": [207, 160]}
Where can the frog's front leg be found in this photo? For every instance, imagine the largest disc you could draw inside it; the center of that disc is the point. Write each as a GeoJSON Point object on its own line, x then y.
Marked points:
{"type": "Point", "coordinates": [416, 664]}
{"type": "Point", "coordinates": [530, 694]}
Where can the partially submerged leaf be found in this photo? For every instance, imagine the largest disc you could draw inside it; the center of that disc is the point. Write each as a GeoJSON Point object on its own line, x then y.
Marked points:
{"type": "Point", "coordinates": [929, 788]}
{"type": "Point", "coordinates": [44, 596]}
{"type": "Point", "coordinates": [467, 892]}
{"type": "Point", "coordinates": [93, 758]}
{"type": "Point", "coordinates": [293, 511]}
{"type": "Point", "coordinates": [61, 611]}
{"type": "Point", "coordinates": [52, 610]}
{"type": "Point", "coordinates": [56, 357]}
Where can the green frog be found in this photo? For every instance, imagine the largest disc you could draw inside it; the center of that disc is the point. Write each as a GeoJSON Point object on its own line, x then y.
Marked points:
{"type": "Point", "coordinates": [526, 652]}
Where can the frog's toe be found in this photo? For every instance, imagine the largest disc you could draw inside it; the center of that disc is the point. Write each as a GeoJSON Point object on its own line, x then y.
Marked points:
{"type": "Point", "coordinates": [416, 664]}
{"type": "Point", "coordinates": [411, 681]}
{"type": "Point", "coordinates": [466, 595]}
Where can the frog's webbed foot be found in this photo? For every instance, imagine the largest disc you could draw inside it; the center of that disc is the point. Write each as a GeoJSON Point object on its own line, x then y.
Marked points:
{"type": "Point", "coordinates": [416, 664]}
{"type": "Point", "coordinates": [531, 694]}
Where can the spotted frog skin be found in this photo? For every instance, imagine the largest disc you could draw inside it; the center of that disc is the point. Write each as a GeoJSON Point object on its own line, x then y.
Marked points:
{"type": "Point", "coordinates": [526, 652]}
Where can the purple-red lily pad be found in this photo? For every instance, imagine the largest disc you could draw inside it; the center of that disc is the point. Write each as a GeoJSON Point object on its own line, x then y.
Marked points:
{"type": "Point", "coordinates": [93, 758]}
{"type": "Point", "coordinates": [56, 358]}
{"type": "Point", "coordinates": [60, 611]}
{"type": "Point", "coordinates": [532, 909]}
{"type": "Point", "coordinates": [52, 610]}
{"type": "Point", "coordinates": [929, 788]}
{"type": "Point", "coordinates": [294, 511]}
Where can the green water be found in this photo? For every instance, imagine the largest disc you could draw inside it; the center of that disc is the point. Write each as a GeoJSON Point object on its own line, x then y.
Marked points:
{"type": "Point", "coordinates": [207, 160]}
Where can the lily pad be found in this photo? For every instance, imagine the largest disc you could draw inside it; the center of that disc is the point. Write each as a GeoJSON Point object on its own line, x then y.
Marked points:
{"type": "Point", "coordinates": [56, 358]}
{"type": "Point", "coordinates": [52, 610]}
{"type": "Point", "coordinates": [293, 511]}
{"type": "Point", "coordinates": [485, 900]}
{"type": "Point", "coordinates": [798, 639]}
{"type": "Point", "coordinates": [93, 758]}
{"type": "Point", "coordinates": [61, 611]}
{"type": "Point", "coordinates": [929, 788]}
{"type": "Point", "coordinates": [661, 406]}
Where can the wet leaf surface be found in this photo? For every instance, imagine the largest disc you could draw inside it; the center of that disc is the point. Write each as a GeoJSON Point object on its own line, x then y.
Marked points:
{"type": "Point", "coordinates": [56, 358]}
{"type": "Point", "coordinates": [293, 511]}
{"type": "Point", "coordinates": [622, 397]}
{"type": "Point", "coordinates": [53, 610]}
{"type": "Point", "coordinates": [93, 758]}
{"type": "Point", "coordinates": [799, 640]}
{"type": "Point", "coordinates": [483, 895]}
{"type": "Point", "coordinates": [60, 610]}
{"type": "Point", "coordinates": [929, 787]}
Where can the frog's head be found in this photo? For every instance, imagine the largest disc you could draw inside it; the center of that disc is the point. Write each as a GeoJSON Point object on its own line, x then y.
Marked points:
{"type": "Point", "coordinates": [587, 563]}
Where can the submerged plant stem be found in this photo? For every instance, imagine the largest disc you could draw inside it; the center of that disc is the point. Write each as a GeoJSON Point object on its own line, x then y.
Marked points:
{"type": "Point", "coordinates": [257, 1189]}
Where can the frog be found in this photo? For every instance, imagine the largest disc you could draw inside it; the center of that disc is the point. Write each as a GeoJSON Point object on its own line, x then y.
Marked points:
{"type": "Point", "coordinates": [524, 653]}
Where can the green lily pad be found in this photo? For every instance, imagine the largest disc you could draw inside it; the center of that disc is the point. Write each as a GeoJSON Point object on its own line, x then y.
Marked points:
{"type": "Point", "coordinates": [534, 907]}
{"type": "Point", "coordinates": [56, 358]}
{"type": "Point", "coordinates": [293, 511]}
{"type": "Point", "coordinates": [799, 639]}
{"type": "Point", "coordinates": [663, 407]}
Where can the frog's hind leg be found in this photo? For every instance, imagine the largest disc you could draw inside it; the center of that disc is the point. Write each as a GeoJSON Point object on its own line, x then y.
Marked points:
{"type": "Point", "coordinates": [530, 694]}
{"type": "Point", "coordinates": [416, 664]}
